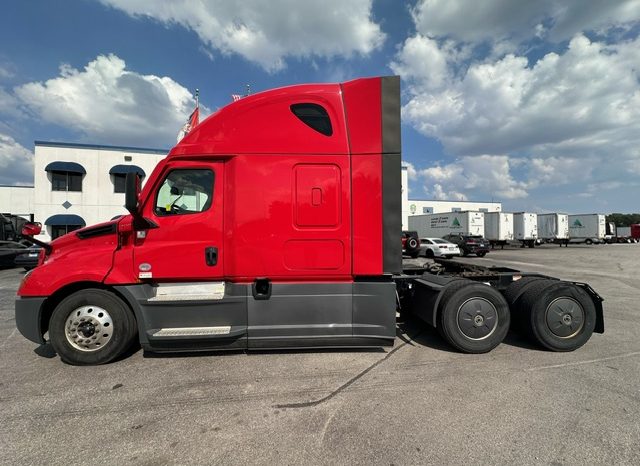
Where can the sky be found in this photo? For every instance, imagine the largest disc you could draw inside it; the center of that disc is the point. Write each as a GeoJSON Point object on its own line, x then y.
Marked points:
{"type": "Point", "coordinates": [535, 104]}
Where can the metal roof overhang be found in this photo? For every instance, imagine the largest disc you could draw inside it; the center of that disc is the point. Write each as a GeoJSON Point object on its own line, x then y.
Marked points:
{"type": "Point", "coordinates": [124, 169]}
{"type": "Point", "coordinates": [69, 167]}
{"type": "Point", "coordinates": [65, 219]}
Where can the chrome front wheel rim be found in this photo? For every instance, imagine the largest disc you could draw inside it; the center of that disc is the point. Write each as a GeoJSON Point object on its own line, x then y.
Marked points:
{"type": "Point", "coordinates": [88, 328]}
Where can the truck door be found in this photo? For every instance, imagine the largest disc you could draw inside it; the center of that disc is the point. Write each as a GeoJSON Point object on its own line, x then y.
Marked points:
{"type": "Point", "coordinates": [181, 262]}
{"type": "Point", "coordinates": [186, 205]}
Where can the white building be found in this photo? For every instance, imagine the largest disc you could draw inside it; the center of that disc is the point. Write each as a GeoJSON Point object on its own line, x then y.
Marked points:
{"type": "Point", "coordinates": [17, 200]}
{"type": "Point", "coordinates": [421, 206]}
{"type": "Point", "coordinates": [82, 184]}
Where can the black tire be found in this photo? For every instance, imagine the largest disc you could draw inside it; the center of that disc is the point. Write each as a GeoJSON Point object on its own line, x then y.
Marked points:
{"type": "Point", "coordinates": [517, 288]}
{"type": "Point", "coordinates": [429, 254]}
{"type": "Point", "coordinates": [453, 286]}
{"type": "Point", "coordinates": [412, 243]}
{"type": "Point", "coordinates": [103, 319]}
{"type": "Point", "coordinates": [414, 255]}
{"type": "Point", "coordinates": [481, 254]}
{"type": "Point", "coordinates": [513, 294]}
{"type": "Point", "coordinates": [560, 316]}
{"type": "Point", "coordinates": [473, 317]}
{"type": "Point", "coordinates": [465, 253]}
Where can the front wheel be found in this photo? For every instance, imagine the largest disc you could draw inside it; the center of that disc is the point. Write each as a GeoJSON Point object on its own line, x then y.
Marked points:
{"type": "Point", "coordinates": [473, 317]}
{"type": "Point", "coordinates": [481, 254]}
{"type": "Point", "coordinates": [91, 327]}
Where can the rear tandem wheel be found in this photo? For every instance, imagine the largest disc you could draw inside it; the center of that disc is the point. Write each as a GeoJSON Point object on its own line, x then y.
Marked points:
{"type": "Point", "coordinates": [473, 317]}
{"type": "Point", "coordinates": [559, 315]}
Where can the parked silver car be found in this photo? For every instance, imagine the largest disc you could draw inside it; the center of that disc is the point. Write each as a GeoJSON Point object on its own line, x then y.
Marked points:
{"type": "Point", "coordinates": [437, 247]}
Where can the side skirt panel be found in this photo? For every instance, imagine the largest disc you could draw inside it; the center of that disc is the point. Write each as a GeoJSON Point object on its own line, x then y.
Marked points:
{"type": "Point", "coordinates": [295, 315]}
{"type": "Point", "coordinates": [189, 324]}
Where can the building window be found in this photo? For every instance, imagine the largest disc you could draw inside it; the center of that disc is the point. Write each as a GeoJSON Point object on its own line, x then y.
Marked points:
{"type": "Point", "coordinates": [483, 209]}
{"type": "Point", "coordinates": [120, 172]}
{"type": "Point", "coordinates": [119, 183]}
{"type": "Point", "coordinates": [66, 181]}
{"type": "Point", "coordinates": [456, 209]}
{"type": "Point", "coordinates": [427, 210]}
{"type": "Point", "coordinates": [59, 230]}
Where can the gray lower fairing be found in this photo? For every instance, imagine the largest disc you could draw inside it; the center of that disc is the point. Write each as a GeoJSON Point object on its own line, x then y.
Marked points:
{"type": "Point", "coordinates": [294, 315]}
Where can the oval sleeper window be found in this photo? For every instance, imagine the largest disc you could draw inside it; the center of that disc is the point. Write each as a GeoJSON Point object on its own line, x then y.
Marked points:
{"type": "Point", "coordinates": [314, 116]}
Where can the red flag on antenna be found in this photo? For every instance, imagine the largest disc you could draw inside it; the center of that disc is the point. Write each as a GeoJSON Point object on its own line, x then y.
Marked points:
{"type": "Point", "coordinates": [192, 121]}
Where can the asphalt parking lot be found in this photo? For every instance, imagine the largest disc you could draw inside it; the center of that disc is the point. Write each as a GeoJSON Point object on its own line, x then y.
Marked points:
{"type": "Point", "coordinates": [417, 403]}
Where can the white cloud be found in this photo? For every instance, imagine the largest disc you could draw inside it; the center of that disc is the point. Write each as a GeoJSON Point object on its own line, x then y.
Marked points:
{"type": "Point", "coordinates": [412, 173]}
{"type": "Point", "coordinates": [9, 105]}
{"type": "Point", "coordinates": [5, 73]}
{"type": "Point", "coordinates": [269, 32]}
{"type": "Point", "coordinates": [557, 171]}
{"type": "Point", "coordinates": [513, 21]}
{"type": "Point", "coordinates": [16, 162]}
{"type": "Point", "coordinates": [567, 122]}
{"type": "Point", "coordinates": [573, 100]}
{"type": "Point", "coordinates": [105, 102]}
{"type": "Point", "coordinates": [421, 59]}
{"type": "Point", "coordinates": [484, 176]}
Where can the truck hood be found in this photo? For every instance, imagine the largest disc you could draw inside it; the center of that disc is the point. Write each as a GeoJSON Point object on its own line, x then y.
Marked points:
{"type": "Point", "coordinates": [84, 255]}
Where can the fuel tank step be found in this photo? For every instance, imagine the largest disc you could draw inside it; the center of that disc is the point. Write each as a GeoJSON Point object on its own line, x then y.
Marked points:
{"type": "Point", "coordinates": [192, 331]}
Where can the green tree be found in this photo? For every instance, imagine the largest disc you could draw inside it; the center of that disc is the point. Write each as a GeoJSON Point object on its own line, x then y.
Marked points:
{"type": "Point", "coordinates": [623, 220]}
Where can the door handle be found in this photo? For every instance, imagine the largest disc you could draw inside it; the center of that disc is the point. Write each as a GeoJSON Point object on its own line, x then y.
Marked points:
{"type": "Point", "coordinates": [211, 255]}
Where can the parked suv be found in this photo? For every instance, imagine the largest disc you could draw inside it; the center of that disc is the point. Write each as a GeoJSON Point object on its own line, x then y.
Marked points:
{"type": "Point", "coordinates": [410, 243]}
{"type": "Point", "coordinates": [470, 244]}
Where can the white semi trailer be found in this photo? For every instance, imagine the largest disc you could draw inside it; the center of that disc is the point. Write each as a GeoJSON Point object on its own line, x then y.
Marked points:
{"type": "Point", "coordinates": [498, 228]}
{"type": "Point", "coordinates": [525, 228]}
{"type": "Point", "coordinates": [587, 228]}
{"type": "Point", "coordinates": [439, 225]}
{"type": "Point", "coordinates": [554, 228]}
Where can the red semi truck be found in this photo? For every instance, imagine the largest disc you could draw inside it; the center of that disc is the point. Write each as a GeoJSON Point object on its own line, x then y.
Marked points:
{"type": "Point", "coordinates": [275, 223]}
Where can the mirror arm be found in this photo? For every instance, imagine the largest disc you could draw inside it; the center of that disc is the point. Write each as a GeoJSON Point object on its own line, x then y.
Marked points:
{"type": "Point", "coordinates": [132, 192]}
{"type": "Point", "coordinates": [42, 244]}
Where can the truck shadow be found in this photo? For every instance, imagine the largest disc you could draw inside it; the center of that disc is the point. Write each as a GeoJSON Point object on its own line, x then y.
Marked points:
{"type": "Point", "coordinates": [415, 332]}
{"type": "Point", "coordinates": [518, 340]}
{"type": "Point", "coordinates": [411, 332]}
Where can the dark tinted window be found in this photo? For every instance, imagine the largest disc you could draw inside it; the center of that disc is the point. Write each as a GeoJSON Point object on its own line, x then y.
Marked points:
{"type": "Point", "coordinates": [75, 182]}
{"type": "Point", "coordinates": [59, 181]}
{"type": "Point", "coordinates": [314, 116]}
{"type": "Point", "coordinates": [64, 181]}
{"type": "Point", "coordinates": [59, 230]}
{"type": "Point", "coordinates": [119, 183]}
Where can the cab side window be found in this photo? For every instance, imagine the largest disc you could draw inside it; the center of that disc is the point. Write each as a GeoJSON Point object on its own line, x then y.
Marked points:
{"type": "Point", "coordinates": [185, 191]}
